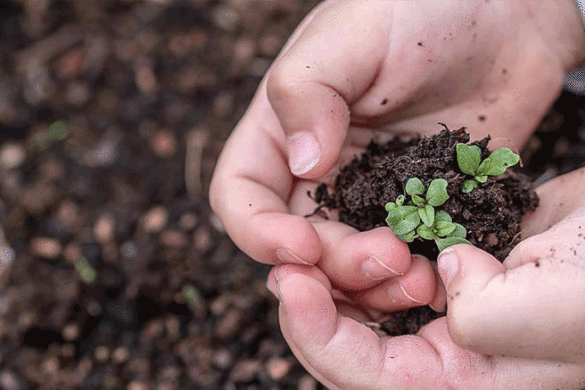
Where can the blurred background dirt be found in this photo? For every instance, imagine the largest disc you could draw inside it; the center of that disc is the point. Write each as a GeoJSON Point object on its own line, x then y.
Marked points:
{"type": "Point", "coordinates": [114, 272]}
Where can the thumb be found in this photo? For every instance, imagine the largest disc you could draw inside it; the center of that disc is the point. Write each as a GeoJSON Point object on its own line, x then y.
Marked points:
{"type": "Point", "coordinates": [529, 311]}
{"type": "Point", "coordinates": [313, 82]}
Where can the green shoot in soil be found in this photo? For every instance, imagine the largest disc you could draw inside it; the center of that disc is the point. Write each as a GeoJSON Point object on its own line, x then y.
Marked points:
{"type": "Point", "coordinates": [469, 160]}
{"type": "Point", "coordinates": [418, 218]}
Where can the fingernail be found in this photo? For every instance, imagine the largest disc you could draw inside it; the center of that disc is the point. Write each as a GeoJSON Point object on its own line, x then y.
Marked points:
{"type": "Point", "coordinates": [303, 153]}
{"type": "Point", "coordinates": [286, 257]}
{"type": "Point", "coordinates": [375, 269]}
{"type": "Point", "coordinates": [437, 308]}
{"type": "Point", "coordinates": [272, 286]}
{"type": "Point", "coordinates": [448, 265]}
{"type": "Point", "coordinates": [409, 297]}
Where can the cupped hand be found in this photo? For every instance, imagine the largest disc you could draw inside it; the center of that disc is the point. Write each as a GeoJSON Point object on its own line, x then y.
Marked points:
{"type": "Point", "coordinates": [358, 69]}
{"type": "Point", "coordinates": [332, 342]}
{"type": "Point", "coordinates": [533, 304]}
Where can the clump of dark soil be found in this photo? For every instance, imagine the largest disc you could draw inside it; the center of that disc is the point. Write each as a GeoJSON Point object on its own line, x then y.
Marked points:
{"type": "Point", "coordinates": [491, 213]}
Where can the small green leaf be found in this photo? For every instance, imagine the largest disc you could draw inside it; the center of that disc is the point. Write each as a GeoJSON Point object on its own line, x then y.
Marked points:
{"type": "Point", "coordinates": [400, 200]}
{"type": "Point", "coordinates": [408, 237]}
{"type": "Point", "coordinates": [459, 231]}
{"type": "Point", "coordinates": [415, 187]}
{"type": "Point", "coordinates": [442, 215]}
{"type": "Point", "coordinates": [468, 186]}
{"type": "Point", "coordinates": [437, 192]}
{"type": "Point", "coordinates": [86, 272]}
{"type": "Point", "coordinates": [444, 228]}
{"type": "Point", "coordinates": [397, 214]}
{"type": "Point", "coordinates": [418, 200]}
{"type": "Point", "coordinates": [505, 156]}
{"type": "Point", "coordinates": [404, 227]}
{"type": "Point", "coordinates": [427, 215]}
{"type": "Point", "coordinates": [390, 206]}
{"type": "Point", "coordinates": [426, 232]}
{"type": "Point", "coordinates": [446, 242]}
{"type": "Point", "coordinates": [490, 167]}
{"type": "Point", "coordinates": [481, 179]}
{"type": "Point", "coordinates": [468, 158]}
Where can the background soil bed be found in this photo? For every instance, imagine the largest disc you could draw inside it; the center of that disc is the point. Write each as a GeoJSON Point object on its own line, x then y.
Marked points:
{"type": "Point", "coordinates": [140, 86]}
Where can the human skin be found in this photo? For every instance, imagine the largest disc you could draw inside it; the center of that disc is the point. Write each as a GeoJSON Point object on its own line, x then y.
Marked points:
{"type": "Point", "coordinates": [514, 325]}
{"type": "Point", "coordinates": [354, 70]}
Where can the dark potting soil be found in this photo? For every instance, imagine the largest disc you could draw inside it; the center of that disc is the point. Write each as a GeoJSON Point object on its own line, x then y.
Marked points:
{"type": "Point", "coordinates": [491, 213]}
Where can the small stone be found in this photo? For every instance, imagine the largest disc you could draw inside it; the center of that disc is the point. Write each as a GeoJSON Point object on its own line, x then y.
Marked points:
{"type": "Point", "coordinates": [278, 367]}
{"type": "Point", "coordinates": [174, 239]}
{"type": "Point", "coordinates": [225, 17]}
{"type": "Point", "coordinates": [164, 144]}
{"type": "Point", "coordinates": [70, 332]}
{"type": "Point", "coordinates": [103, 229]}
{"type": "Point", "coordinates": [245, 370]}
{"type": "Point", "coordinates": [155, 219]}
{"type": "Point", "coordinates": [188, 221]}
{"type": "Point", "coordinates": [120, 355]}
{"type": "Point", "coordinates": [129, 249]}
{"type": "Point", "coordinates": [9, 381]}
{"type": "Point", "coordinates": [270, 45]}
{"type": "Point", "coordinates": [52, 169]}
{"type": "Point", "coordinates": [70, 64]}
{"type": "Point", "coordinates": [144, 77]}
{"type": "Point", "coordinates": [46, 247]}
{"type": "Point", "coordinates": [202, 239]}
{"type": "Point", "coordinates": [77, 94]}
{"type": "Point", "coordinates": [307, 382]}
{"type": "Point", "coordinates": [102, 353]}
{"type": "Point", "coordinates": [51, 365]}
{"type": "Point", "coordinates": [173, 327]}
{"type": "Point", "coordinates": [223, 359]}
{"type": "Point", "coordinates": [228, 325]}
{"type": "Point", "coordinates": [12, 155]}
{"type": "Point", "coordinates": [72, 253]}
{"type": "Point", "coordinates": [216, 223]}
{"type": "Point", "coordinates": [138, 385]}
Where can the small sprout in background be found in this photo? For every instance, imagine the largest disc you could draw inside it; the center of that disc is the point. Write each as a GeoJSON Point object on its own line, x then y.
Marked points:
{"type": "Point", "coordinates": [194, 299]}
{"type": "Point", "coordinates": [405, 219]}
{"type": "Point", "coordinates": [57, 131]}
{"type": "Point", "coordinates": [469, 161]}
{"type": "Point", "coordinates": [86, 272]}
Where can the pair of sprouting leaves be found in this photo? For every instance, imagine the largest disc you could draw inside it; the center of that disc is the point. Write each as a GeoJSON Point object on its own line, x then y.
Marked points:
{"type": "Point", "coordinates": [418, 218]}
{"type": "Point", "coordinates": [469, 160]}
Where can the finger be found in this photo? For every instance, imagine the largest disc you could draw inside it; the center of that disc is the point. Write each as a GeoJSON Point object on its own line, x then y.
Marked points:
{"type": "Point", "coordinates": [311, 84]}
{"type": "Point", "coordinates": [248, 195]}
{"type": "Point", "coordinates": [555, 205]}
{"type": "Point", "coordinates": [527, 311]}
{"type": "Point", "coordinates": [344, 354]}
{"type": "Point", "coordinates": [417, 287]}
{"type": "Point", "coordinates": [359, 260]}
{"type": "Point", "coordinates": [338, 350]}
{"type": "Point", "coordinates": [439, 303]}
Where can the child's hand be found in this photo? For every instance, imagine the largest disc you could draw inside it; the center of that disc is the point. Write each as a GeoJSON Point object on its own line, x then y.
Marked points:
{"type": "Point", "coordinates": [533, 305]}
{"type": "Point", "coordinates": [332, 342]}
{"type": "Point", "coordinates": [357, 69]}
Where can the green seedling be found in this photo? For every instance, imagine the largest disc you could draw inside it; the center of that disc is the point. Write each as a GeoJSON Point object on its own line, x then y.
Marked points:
{"type": "Point", "coordinates": [443, 231]}
{"type": "Point", "coordinates": [469, 160]}
{"type": "Point", "coordinates": [405, 218]}
{"type": "Point", "coordinates": [87, 273]}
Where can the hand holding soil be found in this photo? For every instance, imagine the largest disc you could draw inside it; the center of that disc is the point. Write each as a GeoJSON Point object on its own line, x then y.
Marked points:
{"type": "Point", "coordinates": [354, 70]}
